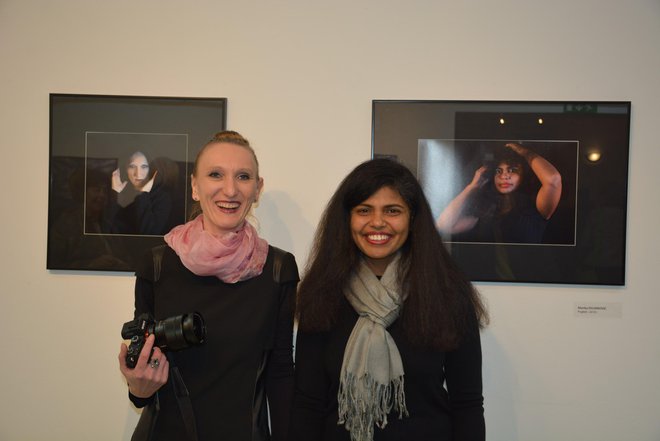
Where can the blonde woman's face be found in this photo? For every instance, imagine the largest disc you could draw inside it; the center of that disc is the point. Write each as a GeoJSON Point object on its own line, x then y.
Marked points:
{"type": "Point", "coordinates": [226, 185]}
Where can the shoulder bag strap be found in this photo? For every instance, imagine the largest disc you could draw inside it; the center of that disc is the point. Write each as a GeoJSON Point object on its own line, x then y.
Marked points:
{"type": "Point", "coordinates": [278, 261]}
{"type": "Point", "coordinates": [158, 260]}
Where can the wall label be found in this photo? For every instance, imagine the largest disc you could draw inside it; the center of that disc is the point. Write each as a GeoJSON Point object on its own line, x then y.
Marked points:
{"type": "Point", "coordinates": [604, 310]}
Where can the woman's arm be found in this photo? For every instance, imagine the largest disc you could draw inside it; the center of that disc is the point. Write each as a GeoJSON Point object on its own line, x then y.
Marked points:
{"type": "Point", "coordinates": [116, 183]}
{"type": "Point", "coordinates": [279, 375]}
{"type": "Point", "coordinates": [153, 211]}
{"type": "Point", "coordinates": [548, 196]}
{"type": "Point", "coordinates": [464, 384]}
{"type": "Point", "coordinates": [452, 220]}
{"type": "Point", "coordinates": [144, 380]}
{"type": "Point", "coordinates": [310, 397]}
{"type": "Point", "coordinates": [279, 371]}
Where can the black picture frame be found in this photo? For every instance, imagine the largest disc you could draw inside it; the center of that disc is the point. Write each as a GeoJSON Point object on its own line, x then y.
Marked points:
{"type": "Point", "coordinates": [119, 174]}
{"type": "Point", "coordinates": [445, 142]}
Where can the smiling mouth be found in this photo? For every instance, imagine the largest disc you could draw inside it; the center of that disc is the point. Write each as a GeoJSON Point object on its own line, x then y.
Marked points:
{"type": "Point", "coordinates": [377, 238]}
{"type": "Point", "coordinates": [228, 206]}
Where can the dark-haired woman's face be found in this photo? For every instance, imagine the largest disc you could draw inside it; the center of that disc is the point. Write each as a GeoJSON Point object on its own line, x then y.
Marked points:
{"type": "Point", "coordinates": [507, 178]}
{"type": "Point", "coordinates": [138, 170]}
{"type": "Point", "coordinates": [379, 226]}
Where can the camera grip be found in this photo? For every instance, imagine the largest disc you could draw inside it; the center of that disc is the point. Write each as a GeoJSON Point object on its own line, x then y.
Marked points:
{"type": "Point", "coordinates": [134, 349]}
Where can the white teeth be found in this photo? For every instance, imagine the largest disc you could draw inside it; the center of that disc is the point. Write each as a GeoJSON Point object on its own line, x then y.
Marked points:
{"type": "Point", "coordinates": [378, 237]}
{"type": "Point", "coordinates": [228, 205]}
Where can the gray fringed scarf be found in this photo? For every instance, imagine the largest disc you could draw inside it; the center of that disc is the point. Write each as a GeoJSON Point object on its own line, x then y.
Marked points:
{"type": "Point", "coordinates": [371, 379]}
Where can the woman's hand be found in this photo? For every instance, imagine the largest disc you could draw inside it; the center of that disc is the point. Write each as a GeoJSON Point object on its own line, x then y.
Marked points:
{"type": "Point", "coordinates": [479, 179]}
{"type": "Point", "coordinates": [549, 194]}
{"type": "Point", "coordinates": [117, 184]}
{"type": "Point", "coordinates": [148, 375]}
{"type": "Point", "coordinates": [522, 151]}
{"type": "Point", "coordinates": [452, 220]}
{"type": "Point", "coordinates": [150, 184]}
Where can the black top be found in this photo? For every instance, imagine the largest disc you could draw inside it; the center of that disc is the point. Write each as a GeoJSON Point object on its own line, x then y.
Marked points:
{"type": "Point", "coordinates": [436, 413]}
{"type": "Point", "coordinates": [521, 224]}
{"type": "Point", "coordinates": [139, 212]}
{"type": "Point", "coordinates": [248, 349]}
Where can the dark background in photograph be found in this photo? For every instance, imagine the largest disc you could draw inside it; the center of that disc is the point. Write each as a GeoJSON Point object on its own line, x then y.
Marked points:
{"type": "Point", "coordinates": [598, 256]}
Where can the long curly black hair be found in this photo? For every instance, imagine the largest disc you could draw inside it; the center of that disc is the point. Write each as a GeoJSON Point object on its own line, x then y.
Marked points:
{"type": "Point", "coordinates": [441, 303]}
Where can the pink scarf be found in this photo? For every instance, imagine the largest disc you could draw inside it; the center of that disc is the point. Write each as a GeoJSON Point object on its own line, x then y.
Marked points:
{"type": "Point", "coordinates": [232, 258]}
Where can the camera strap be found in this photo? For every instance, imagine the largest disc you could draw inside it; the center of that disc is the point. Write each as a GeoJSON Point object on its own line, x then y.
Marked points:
{"type": "Point", "coordinates": [183, 400]}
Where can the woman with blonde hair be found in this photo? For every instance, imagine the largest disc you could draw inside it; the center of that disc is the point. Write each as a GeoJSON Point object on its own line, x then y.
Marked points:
{"type": "Point", "coordinates": [217, 265]}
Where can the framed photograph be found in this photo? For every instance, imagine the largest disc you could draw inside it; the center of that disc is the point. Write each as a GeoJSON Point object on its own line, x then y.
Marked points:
{"type": "Point", "coordinates": [521, 191]}
{"type": "Point", "coordinates": [120, 174]}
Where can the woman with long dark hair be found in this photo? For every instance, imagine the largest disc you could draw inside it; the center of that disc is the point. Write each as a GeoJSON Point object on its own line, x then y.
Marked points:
{"type": "Point", "coordinates": [385, 320]}
{"type": "Point", "coordinates": [499, 205]}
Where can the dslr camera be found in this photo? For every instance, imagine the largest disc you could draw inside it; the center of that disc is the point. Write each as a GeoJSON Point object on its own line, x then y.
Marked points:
{"type": "Point", "coordinates": [173, 333]}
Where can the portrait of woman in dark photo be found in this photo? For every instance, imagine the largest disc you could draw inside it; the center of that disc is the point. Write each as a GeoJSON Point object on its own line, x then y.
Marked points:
{"type": "Point", "coordinates": [388, 344]}
{"type": "Point", "coordinates": [140, 202]}
{"type": "Point", "coordinates": [501, 204]}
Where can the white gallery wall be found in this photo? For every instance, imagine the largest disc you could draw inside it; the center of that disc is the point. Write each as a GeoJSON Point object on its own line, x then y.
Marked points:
{"type": "Point", "coordinates": [299, 77]}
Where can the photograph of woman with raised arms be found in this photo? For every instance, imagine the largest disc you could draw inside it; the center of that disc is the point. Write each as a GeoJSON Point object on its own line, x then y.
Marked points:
{"type": "Point", "coordinates": [388, 345]}
{"type": "Point", "coordinates": [500, 205]}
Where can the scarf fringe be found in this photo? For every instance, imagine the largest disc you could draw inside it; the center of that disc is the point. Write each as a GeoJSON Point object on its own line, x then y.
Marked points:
{"type": "Point", "coordinates": [359, 412]}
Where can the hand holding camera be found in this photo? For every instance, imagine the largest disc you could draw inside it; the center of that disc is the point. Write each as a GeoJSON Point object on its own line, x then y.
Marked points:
{"type": "Point", "coordinates": [143, 362]}
{"type": "Point", "coordinates": [173, 333]}
{"type": "Point", "coordinates": [147, 376]}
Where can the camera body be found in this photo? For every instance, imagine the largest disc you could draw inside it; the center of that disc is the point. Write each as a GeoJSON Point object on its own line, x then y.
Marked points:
{"type": "Point", "coordinates": [173, 333]}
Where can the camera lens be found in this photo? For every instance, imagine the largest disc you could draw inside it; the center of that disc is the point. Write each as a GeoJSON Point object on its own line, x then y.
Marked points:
{"type": "Point", "coordinates": [194, 330]}
{"type": "Point", "coordinates": [180, 332]}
